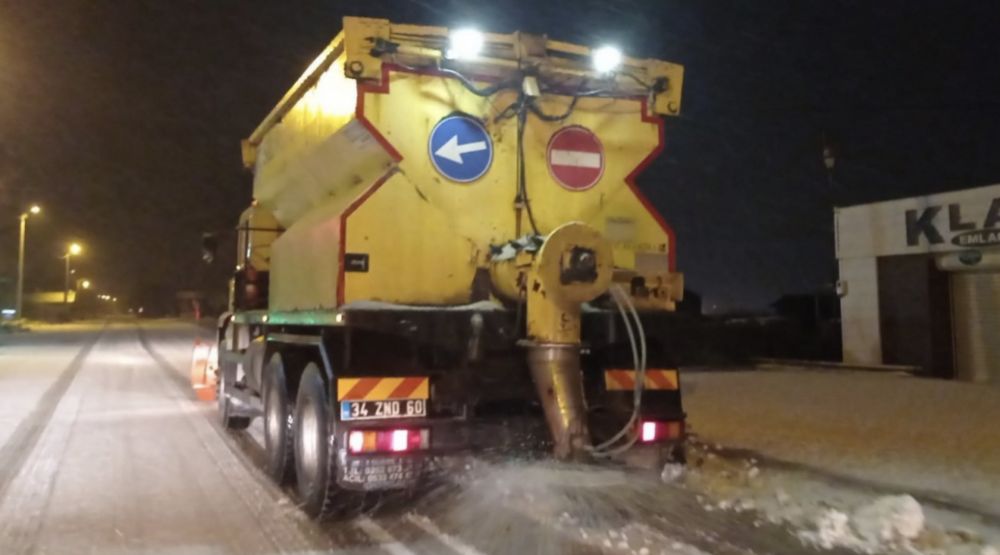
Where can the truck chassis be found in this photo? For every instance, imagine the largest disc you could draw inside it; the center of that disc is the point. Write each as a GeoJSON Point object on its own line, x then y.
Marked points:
{"type": "Point", "coordinates": [480, 396]}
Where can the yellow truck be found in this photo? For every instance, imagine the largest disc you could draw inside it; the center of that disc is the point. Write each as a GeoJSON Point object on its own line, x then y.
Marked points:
{"type": "Point", "coordinates": [446, 252]}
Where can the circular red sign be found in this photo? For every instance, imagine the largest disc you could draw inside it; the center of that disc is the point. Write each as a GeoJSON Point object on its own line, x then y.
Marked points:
{"type": "Point", "coordinates": [575, 157]}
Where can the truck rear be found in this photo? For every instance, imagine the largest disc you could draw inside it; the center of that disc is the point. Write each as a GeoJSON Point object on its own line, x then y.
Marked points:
{"type": "Point", "coordinates": [446, 253]}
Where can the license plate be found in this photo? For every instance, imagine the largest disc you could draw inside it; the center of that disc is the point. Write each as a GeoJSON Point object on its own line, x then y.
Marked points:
{"type": "Point", "coordinates": [372, 410]}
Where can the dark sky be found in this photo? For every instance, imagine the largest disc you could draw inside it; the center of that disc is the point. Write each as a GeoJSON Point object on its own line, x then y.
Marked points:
{"type": "Point", "coordinates": [124, 118]}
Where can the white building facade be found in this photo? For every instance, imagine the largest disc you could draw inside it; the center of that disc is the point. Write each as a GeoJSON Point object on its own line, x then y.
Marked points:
{"type": "Point", "coordinates": [920, 283]}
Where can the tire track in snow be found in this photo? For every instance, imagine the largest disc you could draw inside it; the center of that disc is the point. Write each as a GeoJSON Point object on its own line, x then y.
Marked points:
{"type": "Point", "coordinates": [279, 520]}
{"type": "Point", "coordinates": [248, 453]}
{"type": "Point", "coordinates": [18, 448]}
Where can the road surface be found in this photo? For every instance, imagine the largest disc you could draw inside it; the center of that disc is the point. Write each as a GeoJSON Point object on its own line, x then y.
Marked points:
{"type": "Point", "coordinates": [103, 449]}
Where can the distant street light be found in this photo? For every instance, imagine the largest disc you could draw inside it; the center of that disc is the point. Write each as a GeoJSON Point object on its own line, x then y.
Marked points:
{"type": "Point", "coordinates": [85, 284]}
{"type": "Point", "coordinates": [18, 304]}
{"type": "Point", "coordinates": [72, 250]}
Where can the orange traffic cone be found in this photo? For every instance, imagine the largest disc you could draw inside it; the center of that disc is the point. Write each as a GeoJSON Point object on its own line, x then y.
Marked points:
{"type": "Point", "coordinates": [203, 371]}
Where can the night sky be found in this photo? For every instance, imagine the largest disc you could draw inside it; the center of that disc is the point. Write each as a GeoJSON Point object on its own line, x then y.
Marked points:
{"type": "Point", "coordinates": [123, 117]}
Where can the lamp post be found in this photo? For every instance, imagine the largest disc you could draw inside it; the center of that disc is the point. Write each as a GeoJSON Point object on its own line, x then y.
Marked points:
{"type": "Point", "coordinates": [19, 302]}
{"type": "Point", "coordinates": [72, 250]}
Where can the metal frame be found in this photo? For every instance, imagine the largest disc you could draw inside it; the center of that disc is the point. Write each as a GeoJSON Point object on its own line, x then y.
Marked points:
{"type": "Point", "coordinates": [308, 340]}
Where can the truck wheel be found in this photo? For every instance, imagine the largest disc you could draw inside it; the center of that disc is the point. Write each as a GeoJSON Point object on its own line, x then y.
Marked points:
{"type": "Point", "coordinates": [315, 458]}
{"type": "Point", "coordinates": [277, 422]}
{"type": "Point", "coordinates": [227, 375]}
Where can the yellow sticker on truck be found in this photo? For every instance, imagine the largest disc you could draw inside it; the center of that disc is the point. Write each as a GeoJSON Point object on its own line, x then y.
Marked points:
{"type": "Point", "coordinates": [656, 379]}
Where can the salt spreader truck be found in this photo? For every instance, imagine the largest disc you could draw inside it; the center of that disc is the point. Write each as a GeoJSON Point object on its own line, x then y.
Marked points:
{"type": "Point", "coordinates": [446, 252]}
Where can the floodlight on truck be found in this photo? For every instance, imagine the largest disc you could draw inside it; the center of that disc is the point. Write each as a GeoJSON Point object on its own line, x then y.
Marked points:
{"type": "Point", "coordinates": [464, 44]}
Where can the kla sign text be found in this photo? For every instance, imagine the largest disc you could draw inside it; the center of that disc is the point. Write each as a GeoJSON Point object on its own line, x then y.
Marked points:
{"type": "Point", "coordinates": [965, 233]}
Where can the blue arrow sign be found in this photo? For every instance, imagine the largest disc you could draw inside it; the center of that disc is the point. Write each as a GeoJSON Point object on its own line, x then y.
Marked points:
{"type": "Point", "coordinates": [460, 148]}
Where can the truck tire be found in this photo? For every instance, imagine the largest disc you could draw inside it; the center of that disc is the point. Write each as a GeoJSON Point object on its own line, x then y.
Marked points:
{"type": "Point", "coordinates": [278, 422]}
{"type": "Point", "coordinates": [227, 375]}
{"type": "Point", "coordinates": [315, 457]}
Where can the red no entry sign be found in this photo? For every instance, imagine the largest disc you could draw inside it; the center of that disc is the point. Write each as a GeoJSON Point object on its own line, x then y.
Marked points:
{"type": "Point", "coordinates": [576, 158]}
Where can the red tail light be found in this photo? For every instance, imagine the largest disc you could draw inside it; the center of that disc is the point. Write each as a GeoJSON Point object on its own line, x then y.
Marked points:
{"type": "Point", "coordinates": [388, 441]}
{"type": "Point", "coordinates": [651, 431]}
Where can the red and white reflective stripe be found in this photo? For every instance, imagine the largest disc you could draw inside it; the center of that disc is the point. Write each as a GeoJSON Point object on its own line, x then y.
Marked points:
{"type": "Point", "coordinates": [656, 378]}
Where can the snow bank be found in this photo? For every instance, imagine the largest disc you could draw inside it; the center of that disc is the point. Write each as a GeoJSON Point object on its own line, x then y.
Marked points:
{"type": "Point", "coordinates": [831, 514]}
{"type": "Point", "coordinates": [871, 426]}
{"type": "Point", "coordinates": [890, 519]}
{"type": "Point", "coordinates": [887, 523]}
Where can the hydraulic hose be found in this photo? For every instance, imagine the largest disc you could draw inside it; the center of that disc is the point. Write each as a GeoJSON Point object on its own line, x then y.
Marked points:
{"type": "Point", "coordinates": [622, 301]}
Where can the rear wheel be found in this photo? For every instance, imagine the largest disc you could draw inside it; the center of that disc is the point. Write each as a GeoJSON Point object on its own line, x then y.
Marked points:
{"type": "Point", "coordinates": [315, 460]}
{"type": "Point", "coordinates": [278, 422]}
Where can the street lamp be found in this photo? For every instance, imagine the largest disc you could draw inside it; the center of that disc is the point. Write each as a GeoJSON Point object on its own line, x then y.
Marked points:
{"type": "Point", "coordinates": [72, 250]}
{"type": "Point", "coordinates": [85, 284]}
{"type": "Point", "coordinates": [18, 304]}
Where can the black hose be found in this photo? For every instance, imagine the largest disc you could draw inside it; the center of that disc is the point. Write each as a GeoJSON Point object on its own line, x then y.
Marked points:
{"type": "Point", "coordinates": [522, 190]}
{"type": "Point", "coordinates": [547, 117]}
{"type": "Point", "coordinates": [485, 91]}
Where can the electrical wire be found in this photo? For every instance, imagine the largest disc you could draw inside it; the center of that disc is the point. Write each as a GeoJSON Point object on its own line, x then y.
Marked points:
{"type": "Point", "coordinates": [547, 117]}
{"type": "Point", "coordinates": [522, 187]}
{"type": "Point", "coordinates": [641, 83]}
{"type": "Point", "coordinates": [485, 91]}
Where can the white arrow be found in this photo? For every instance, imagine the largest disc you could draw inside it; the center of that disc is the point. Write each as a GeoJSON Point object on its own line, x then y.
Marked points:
{"type": "Point", "coordinates": [454, 151]}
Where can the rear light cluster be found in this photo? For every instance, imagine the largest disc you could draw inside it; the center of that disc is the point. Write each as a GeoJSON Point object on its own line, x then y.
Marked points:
{"type": "Point", "coordinates": [651, 431]}
{"type": "Point", "coordinates": [388, 441]}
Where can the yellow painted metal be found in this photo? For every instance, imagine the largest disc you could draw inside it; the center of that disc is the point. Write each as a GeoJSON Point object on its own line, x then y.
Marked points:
{"type": "Point", "coordinates": [553, 302]}
{"type": "Point", "coordinates": [307, 82]}
{"type": "Point", "coordinates": [421, 46]}
{"type": "Point", "coordinates": [342, 162]}
{"type": "Point", "coordinates": [360, 36]}
{"type": "Point", "coordinates": [425, 202]}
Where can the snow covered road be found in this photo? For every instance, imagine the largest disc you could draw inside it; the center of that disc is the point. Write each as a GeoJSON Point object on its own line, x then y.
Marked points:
{"type": "Point", "coordinates": [103, 449]}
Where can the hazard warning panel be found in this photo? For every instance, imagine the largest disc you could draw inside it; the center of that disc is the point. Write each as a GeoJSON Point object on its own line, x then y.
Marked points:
{"type": "Point", "coordinates": [576, 158]}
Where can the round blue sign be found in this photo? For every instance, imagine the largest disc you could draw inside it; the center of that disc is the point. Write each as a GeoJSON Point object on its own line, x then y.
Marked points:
{"type": "Point", "coordinates": [460, 148]}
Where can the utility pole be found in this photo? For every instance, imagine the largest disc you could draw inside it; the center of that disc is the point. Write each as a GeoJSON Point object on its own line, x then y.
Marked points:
{"type": "Point", "coordinates": [74, 248]}
{"type": "Point", "coordinates": [19, 302]}
{"type": "Point", "coordinates": [66, 286]}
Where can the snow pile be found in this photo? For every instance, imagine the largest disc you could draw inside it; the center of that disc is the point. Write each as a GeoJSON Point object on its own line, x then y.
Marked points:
{"type": "Point", "coordinates": [672, 472]}
{"type": "Point", "coordinates": [833, 528]}
{"type": "Point", "coordinates": [889, 522]}
{"type": "Point", "coordinates": [865, 425]}
{"type": "Point", "coordinates": [892, 519]}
